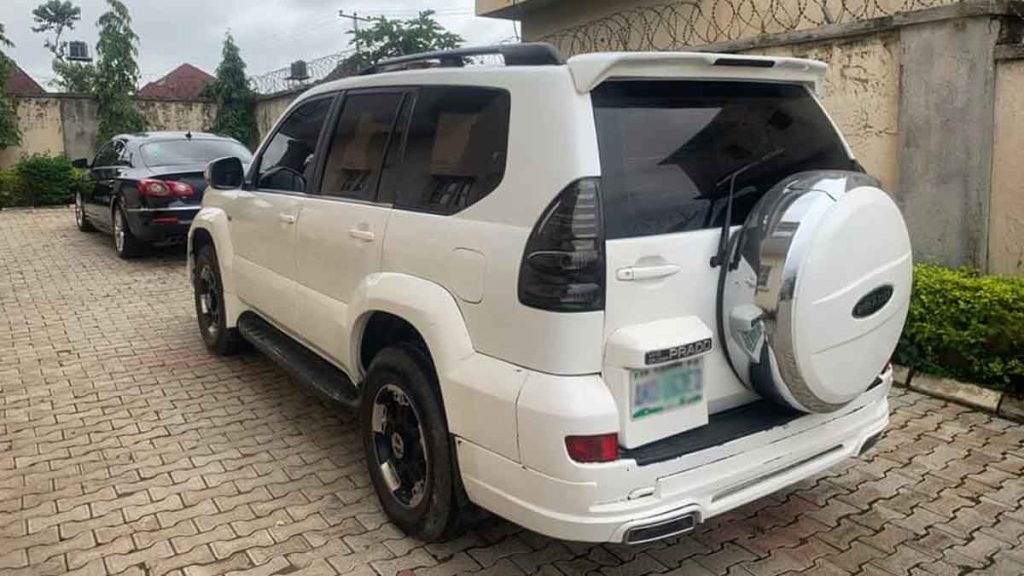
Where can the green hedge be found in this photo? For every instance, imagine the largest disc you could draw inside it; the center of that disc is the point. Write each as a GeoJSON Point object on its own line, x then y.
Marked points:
{"type": "Point", "coordinates": [966, 326]}
{"type": "Point", "coordinates": [41, 180]}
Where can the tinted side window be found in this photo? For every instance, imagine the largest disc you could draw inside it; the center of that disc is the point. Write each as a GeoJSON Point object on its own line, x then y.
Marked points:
{"type": "Point", "coordinates": [358, 145]}
{"type": "Point", "coordinates": [456, 148]}
{"type": "Point", "coordinates": [287, 162]}
{"type": "Point", "coordinates": [106, 156]}
{"type": "Point", "coordinates": [668, 149]}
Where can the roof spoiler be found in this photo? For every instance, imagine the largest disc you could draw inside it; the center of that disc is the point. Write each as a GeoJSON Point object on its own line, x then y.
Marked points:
{"type": "Point", "coordinates": [589, 70]}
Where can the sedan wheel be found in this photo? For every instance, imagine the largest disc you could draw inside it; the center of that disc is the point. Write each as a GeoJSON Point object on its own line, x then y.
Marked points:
{"type": "Point", "coordinates": [125, 243]}
{"type": "Point", "coordinates": [81, 222]}
{"type": "Point", "coordinates": [118, 231]}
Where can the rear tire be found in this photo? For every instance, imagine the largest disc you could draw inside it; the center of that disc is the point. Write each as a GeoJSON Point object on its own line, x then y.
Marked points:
{"type": "Point", "coordinates": [126, 245]}
{"type": "Point", "coordinates": [409, 455]}
{"type": "Point", "coordinates": [208, 294]}
{"type": "Point", "coordinates": [81, 221]}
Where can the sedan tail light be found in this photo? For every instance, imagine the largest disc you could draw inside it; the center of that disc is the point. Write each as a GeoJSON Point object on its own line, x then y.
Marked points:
{"type": "Point", "coordinates": [165, 188]}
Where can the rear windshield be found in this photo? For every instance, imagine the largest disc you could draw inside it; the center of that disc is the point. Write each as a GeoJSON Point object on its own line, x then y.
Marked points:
{"type": "Point", "coordinates": [195, 151]}
{"type": "Point", "coordinates": [668, 149]}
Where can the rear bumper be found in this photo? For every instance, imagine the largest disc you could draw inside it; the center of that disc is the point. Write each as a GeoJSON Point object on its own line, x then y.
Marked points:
{"type": "Point", "coordinates": [161, 224]}
{"type": "Point", "coordinates": [624, 501]}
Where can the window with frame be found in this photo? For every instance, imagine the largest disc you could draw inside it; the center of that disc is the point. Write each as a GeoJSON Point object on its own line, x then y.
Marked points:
{"type": "Point", "coordinates": [287, 161]}
{"type": "Point", "coordinates": [106, 156]}
{"type": "Point", "coordinates": [456, 148]}
{"type": "Point", "coordinates": [359, 143]}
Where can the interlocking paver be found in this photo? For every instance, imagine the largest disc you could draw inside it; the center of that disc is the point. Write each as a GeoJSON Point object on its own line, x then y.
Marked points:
{"type": "Point", "coordinates": [126, 448]}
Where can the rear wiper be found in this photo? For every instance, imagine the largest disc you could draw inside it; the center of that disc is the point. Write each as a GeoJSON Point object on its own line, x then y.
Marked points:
{"type": "Point", "coordinates": [719, 258]}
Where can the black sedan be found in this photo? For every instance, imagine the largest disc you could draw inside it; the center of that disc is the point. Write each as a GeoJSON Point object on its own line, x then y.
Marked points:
{"type": "Point", "coordinates": [149, 186]}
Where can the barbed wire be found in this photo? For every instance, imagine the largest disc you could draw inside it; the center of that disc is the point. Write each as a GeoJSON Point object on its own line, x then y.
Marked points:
{"type": "Point", "coordinates": [279, 80]}
{"type": "Point", "coordinates": [683, 23]}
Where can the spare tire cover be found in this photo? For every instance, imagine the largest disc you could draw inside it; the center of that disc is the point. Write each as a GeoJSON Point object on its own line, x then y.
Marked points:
{"type": "Point", "coordinates": [816, 290]}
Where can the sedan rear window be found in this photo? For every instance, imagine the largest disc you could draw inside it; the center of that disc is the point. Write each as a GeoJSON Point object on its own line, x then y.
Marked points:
{"type": "Point", "coordinates": [668, 149]}
{"type": "Point", "coordinates": [194, 151]}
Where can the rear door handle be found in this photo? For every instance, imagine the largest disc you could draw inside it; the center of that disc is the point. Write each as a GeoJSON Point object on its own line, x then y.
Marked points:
{"type": "Point", "coordinates": [287, 218]}
{"type": "Point", "coordinates": [633, 273]}
{"type": "Point", "coordinates": [364, 235]}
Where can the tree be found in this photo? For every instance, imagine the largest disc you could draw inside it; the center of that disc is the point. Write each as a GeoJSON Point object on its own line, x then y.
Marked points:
{"type": "Point", "coordinates": [10, 134]}
{"type": "Point", "coordinates": [236, 102]}
{"type": "Point", "coordinates": [387, 38]}
{"type": "Point", "coordinates": [57, 17]}
{"type": "Point", "coordinates": [117, 73]}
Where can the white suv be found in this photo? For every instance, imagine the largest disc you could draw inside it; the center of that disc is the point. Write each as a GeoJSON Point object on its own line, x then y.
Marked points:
{"type": "Point", "coordinates": [605, 298]}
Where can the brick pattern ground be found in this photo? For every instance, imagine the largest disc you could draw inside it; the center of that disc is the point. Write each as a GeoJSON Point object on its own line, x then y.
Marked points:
{"type": "Point", "coordinates": [126, 449]}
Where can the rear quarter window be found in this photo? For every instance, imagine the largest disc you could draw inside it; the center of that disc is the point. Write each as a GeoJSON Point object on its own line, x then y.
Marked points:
{"type": "Point", "coordinates": [668, 148]}
{"type": "Point", "coordinates": [456, 147]}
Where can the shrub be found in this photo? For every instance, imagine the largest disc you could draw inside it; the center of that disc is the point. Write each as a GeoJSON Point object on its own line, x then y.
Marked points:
{"type": "Point", "coordinates": [46, 180]}
{"type": "Point", "coordinates": [81, 181]}
{"type": "Point", "coordinates": [967, 326]}
{"type": "Point", "coordinates": [11, 191]}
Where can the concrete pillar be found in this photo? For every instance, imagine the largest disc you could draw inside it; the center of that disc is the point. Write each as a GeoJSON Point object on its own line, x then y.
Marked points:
{"type": "Point", "coordinates": [947, 85]}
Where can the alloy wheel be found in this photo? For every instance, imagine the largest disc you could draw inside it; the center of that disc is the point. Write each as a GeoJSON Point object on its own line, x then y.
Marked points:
{"type": "Point", "coordinates": [399, 445]}
{"type": "Point", "coordinates": [118, 230]}
{"type": "Point", "coordinates": [79, 216]}
{"type": "Point", "coordinates": [209, 301]}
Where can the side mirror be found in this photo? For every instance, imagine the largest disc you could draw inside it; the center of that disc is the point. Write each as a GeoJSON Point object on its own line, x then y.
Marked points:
{"type": "Point", "coordinates": [225, 173]}
{"type": "Point", "coordinates": [80, 163]}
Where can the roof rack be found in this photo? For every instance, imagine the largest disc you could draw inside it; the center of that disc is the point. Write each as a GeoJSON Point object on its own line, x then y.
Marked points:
{"type": "Point", "coordinates": [525, 54]}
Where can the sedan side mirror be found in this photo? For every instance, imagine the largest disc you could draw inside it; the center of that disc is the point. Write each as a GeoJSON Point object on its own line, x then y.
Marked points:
{"type": "Point", "coordinates": [80, 163]}
{"type": "Point", "coordinates": [225, 173]}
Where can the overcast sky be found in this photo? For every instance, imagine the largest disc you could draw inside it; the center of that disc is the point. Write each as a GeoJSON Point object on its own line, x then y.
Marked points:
{"type": "Point", "coordinates": [271, 33]}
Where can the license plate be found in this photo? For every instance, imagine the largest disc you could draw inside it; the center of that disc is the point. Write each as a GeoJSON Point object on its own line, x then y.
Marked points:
{"type": "Point", "coordinates": [661, 389]}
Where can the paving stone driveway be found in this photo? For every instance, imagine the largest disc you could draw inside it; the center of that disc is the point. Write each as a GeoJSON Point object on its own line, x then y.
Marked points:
{"type": "Point", "coordinates": [125, 448]}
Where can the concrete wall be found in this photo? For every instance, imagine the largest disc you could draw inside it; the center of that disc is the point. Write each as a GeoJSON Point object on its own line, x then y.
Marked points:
{"type": "Point", "coordinates": [946, 132]}
{"type": "Point", "coordinates": [861, 93]}
{"type": "Point", "coordinates": [269, 109]}
{"type": "Point", "coordinates": [41, 129]}
{"type": "Point", "coordinates": [1006, 211]}
{"type": "Point", "coordinates": [63, 123]}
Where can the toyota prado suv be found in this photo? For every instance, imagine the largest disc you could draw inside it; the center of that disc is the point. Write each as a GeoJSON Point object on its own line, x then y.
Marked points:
{"type": "Point", "coordinates": [605, 298]}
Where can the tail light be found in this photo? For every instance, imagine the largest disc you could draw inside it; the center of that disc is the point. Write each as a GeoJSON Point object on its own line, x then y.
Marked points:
{"type": "Point", "coordinates": [563, 265]}
{"type": "Point", "coordinates": [590, 449]}
{"type": "Point", "coordinates": [165, 188]}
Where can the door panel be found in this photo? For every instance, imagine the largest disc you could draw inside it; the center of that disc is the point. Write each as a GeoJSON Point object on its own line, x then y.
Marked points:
{"type": "Point", "coordinates": [263, 234]}
{"type": "Point", "coordinates": [341, 233]}
{"type": "Point", "coordinates": [339, 245]}
{"type": "Point", "coordinates": [265, 220]}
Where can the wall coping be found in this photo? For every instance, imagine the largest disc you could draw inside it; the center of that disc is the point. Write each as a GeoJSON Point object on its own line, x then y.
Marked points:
{"type": "Point", "coordinates": [1009, 52]}
{"type": "Point", "coordinates": [874, 26]}
{"type": "Point", "coordinates": [77, 96]}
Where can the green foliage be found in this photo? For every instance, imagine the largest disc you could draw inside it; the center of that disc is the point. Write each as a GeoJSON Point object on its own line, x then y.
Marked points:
{"type": "Point", "coordinates": [46, 180]}
{"type": "Point", "coordinates": [387, 38]}
{"type": "Point", "coordinates": [967, 326]}
{"type": "Point", "coordinates": [12, 193]}
{"type": "Point", "coordinates": [10, 134]}
{"type": "Point", "coordinates": [41, 180]}
{"type": "Point", "coordinates": [236, 102]}
{"type": "Point", "coordinates": [117, 74]}
{"type": "Point", "coordinates": [56, 17]}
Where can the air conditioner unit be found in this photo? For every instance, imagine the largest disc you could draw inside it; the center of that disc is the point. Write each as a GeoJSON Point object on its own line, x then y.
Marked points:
{"type": "Point", "coordinates": [78, 51]}
{"type": "Point", "coordinates": [299, 71]}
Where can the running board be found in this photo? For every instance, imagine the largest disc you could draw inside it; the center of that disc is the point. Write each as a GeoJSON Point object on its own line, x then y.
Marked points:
{"type": "Point", "coordinates": [300, 362]}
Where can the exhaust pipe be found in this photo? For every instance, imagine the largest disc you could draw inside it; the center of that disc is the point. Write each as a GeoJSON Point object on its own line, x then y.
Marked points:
{"type": "Point", "coordinates": [664, 529]}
